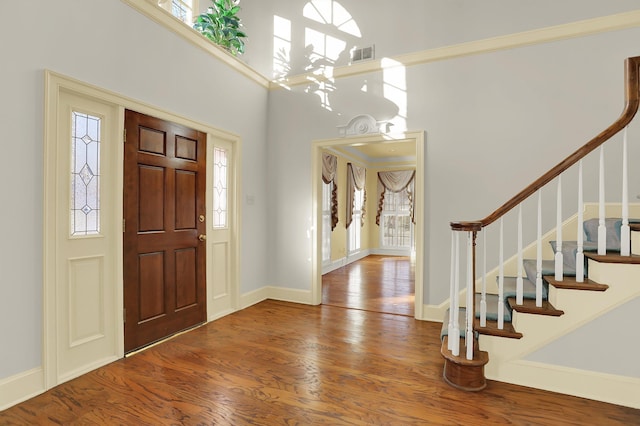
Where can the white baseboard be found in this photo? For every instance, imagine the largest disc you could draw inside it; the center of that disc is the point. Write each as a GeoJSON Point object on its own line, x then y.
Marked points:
{"type": "Point", "coordinates": [333, 265]}
{"type": "Point", "coordinates": [275, 293]}
{"type": "Point", "coordinates": [253, 297]}
{"type": "Point", "coordinates": [290, 295]}
{"type": "Point", "coordinates": [619, 390]}
{"type": "Point", "coordinates": [435, 313]}
{"type": "Point", "coordinates": [219, 315]}
{"type": "Point", "coordinates": [22, 386]}
{"type": "Point", "coordinates": [391, 252]}
{"type": "Point", "coordinates": [84, 369]}
{"type": "Point", "coordinates": [344, 261]}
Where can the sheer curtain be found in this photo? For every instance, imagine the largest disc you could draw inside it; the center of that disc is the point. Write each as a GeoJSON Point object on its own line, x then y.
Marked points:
{"type": "Point", "coordinates": [329, 168]}
{"type": "Point", "coordinates": [396, 181]}
{"type": "Point", "coordinates": [356, 177]}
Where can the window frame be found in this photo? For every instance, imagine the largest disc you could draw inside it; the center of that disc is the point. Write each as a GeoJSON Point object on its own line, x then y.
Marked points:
{"type": "Point", "coordinates": [354, 232]}
{"type": "Point", "coordinates": [190, 5]}
{"type": "Point", "coordinates": [399, 210]}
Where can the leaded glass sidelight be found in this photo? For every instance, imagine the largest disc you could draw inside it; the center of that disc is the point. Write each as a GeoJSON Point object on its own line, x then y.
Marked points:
{"type": "Point", "coordinates": [220, 187]}
{"type": "Point", "coordinates": [85, 174]}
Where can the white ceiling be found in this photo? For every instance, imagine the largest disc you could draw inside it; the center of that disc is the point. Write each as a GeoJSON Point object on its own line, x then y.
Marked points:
{"type": "Point", "coordinates": [380, 153]}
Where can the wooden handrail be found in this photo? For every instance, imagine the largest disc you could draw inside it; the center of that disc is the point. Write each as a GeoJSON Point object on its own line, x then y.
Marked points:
{"type": "Point", "coordinates": [632, 101]}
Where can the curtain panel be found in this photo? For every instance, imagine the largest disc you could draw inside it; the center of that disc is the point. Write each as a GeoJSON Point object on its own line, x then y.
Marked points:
{"type": "Point", "coordinates": [329, 170]}
{"type": "Point", "coordinates": [356, 178]}
{"type": "Point", "coordinates": [396, 181]}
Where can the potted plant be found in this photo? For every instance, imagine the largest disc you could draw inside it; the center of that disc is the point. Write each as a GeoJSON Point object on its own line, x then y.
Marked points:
{"type": "Point", "coordinates": [222, 26]}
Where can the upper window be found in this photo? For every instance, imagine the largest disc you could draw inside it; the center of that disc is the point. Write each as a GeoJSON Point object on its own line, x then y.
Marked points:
{"type": "Point", "coordinates": [220, 188]}
{"type": "Point", "coordinates": [85, 174]}
{"type": "Point", "coordinates": [181, 9]}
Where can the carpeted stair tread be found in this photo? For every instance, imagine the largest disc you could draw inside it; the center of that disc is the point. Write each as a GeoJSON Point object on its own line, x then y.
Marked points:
{"type": "Point", "coordinates": [462, 323]}
{"type": "Point", "coordinates": [569, 251]}
{"type": "Point", "coordinates": [548, 268]}
{"type": "Point", "coordinates": [528, 288]}
{"type": "Point", "coordinates": [613, 232]}
{"type": "Point", "coordinates": [492, 307]}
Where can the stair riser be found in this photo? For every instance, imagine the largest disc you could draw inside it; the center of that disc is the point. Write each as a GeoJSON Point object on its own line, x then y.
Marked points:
{"type": "Point", "coordinates": [635, 243]}
{"type": "Point", "coordinates": [581, 307]}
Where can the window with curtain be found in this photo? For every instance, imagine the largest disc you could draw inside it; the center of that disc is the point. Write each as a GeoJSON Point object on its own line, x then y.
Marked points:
{"type": "Point", "coordinates": [395, 220]}
{"type": "Point", "coordinates": [329, 202]}
{"type": "Point", "coordinates": [329, 171]}
{"type": "Point", "coordinates": [395, 208]}
{"type": "Point", "coordinates": [356, 198]}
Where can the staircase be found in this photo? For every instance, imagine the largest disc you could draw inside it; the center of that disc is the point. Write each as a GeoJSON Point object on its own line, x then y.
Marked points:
{"type": "Point", "coordinates": [552, 287]}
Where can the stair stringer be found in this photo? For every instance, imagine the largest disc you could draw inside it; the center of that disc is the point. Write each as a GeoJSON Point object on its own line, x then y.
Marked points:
{"type": "Point", "coordinates": [507, 357]}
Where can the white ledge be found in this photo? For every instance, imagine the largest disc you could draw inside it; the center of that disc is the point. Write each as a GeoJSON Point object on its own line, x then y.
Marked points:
{"type": "Point", "coordinates": [582, 28]}
{"type": "Point", "coordinates": [164, 18]}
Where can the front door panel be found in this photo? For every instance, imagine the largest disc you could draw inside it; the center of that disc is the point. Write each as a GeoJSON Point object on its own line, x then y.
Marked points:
{"type": "Point", "coordinates": [164, 249]}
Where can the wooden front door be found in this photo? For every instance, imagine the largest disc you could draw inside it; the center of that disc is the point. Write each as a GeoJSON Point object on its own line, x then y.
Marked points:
{"type": "Point", "coordinates": [164, 229]}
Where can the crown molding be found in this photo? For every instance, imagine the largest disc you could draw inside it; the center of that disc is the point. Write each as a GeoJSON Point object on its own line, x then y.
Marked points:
{"type": "Point", "coordinates": [583, 28]}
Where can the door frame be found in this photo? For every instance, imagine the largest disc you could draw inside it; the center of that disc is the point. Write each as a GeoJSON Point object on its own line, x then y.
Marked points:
{"type": "Point", "coordinates": [54, 84]}
{"type": "Point", "coordinates": [418, 137]}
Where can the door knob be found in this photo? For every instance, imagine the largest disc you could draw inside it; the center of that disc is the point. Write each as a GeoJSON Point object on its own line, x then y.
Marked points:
{"type": "Point", "coordinates": [202, 237]}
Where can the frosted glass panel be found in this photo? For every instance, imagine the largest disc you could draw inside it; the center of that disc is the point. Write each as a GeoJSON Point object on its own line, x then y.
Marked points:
{"type": "Point", "coordinates": [85, 174]}
{"type": "Point", "coordinates": [220, 188]}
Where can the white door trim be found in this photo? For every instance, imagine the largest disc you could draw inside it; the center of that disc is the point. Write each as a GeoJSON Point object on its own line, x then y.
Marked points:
{"type": "Point", "coordinates": [316, 193]}
{"type": "Point", "coordinates": [54, 84]}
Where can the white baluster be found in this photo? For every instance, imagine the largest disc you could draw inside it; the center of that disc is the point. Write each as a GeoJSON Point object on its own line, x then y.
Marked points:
{"type": "Point", "coordinates": [539, 254]}
{"type": "Point", "coordinates": [452, 296]}
{"type": "Point", "coordinates": [625, 232]}
{"type": "Point", "coordinates": [559, 256]}
{"type": "Point", "coordinates": [580, 253]}
{"type": "Point", "coordinates": [602, 229]}
{"type": "Point", "coordinates": [519, 280]}
{"type": "Point", "coordinates": [501, 279]}
{"type": "Point", "coordinates": [470, 297]}
{"type": "Point", "coordinates": [483, 299]}
{"type": "Point", "coordinates": [455, 333]}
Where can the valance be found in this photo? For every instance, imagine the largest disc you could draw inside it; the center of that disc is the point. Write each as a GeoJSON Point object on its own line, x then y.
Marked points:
{"type": "Point", "coordinates": [396, 181]}
{"type": "Point", "coordinates": [329, 170]}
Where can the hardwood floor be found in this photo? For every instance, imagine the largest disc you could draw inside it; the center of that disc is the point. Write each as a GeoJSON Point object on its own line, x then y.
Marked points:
{"type": "Point", "coordinates": [375, 283]}
{"type": "Point", "coordinates": [278, 363]}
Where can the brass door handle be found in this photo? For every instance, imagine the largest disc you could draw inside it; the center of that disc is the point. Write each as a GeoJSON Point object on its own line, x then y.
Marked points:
{"type": "Point", "coordinates": [202, 237]}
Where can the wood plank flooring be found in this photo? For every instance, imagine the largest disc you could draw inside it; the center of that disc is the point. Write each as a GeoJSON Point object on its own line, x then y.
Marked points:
{"type": "Point", "coordinates": [375, 283]}
{"type": "Point", "coordinates": [278, 363]}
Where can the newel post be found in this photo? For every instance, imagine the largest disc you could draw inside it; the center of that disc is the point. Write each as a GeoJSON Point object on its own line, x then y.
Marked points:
{"type": "Point", "coordinates": [472, 228]}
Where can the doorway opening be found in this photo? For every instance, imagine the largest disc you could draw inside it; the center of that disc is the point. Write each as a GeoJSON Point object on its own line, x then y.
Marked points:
{"type": "Point", "coordinates": [363, 275]}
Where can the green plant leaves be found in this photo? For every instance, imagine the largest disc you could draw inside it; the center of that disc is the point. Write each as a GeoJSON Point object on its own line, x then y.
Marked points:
{"type": "Point", "coordinates": [221, 25]}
